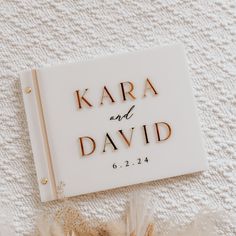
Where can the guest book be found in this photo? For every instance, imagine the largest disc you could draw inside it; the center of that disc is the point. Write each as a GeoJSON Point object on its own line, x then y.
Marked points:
{"type": "Point", "coordinates": [112, 122]}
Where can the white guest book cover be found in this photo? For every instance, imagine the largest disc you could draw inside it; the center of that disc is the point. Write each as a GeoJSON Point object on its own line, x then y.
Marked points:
{"type": "Point", "coordinates": [112, 122]}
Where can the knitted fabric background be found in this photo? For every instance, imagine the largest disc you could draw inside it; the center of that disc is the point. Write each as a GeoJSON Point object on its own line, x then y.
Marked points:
{"type": "Point", "coordinates": [36, 33]}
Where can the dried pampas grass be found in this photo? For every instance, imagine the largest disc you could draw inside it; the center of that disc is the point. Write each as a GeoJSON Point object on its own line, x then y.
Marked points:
{"type": "Point", "coordinates": [47, 227]}
{"type": "Point", "coordinates": [68, 222]}
{"type": "Point", "coordinates": [138, 221]}
{"type": "Point", "coordinates": [139, 218]}
{"type": "Point", "coordinates": [116, 228]}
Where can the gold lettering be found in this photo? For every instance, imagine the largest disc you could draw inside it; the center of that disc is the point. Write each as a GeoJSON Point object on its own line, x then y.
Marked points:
{"type": "Point", "coordinates": [82, 145]}
{"type": "Point", "coordinates": [110, 143]}
{"type": "Point", "coordinates": [145, 133]}
{"type": "Point", "coordinates": [128, 142]}
{"type": "Point", "coordinates": [124, 93]}
{"type": "Point", "coordinates": [106, 94]}
{"type": "Point", "coordinates": [149, 86]}
{"type": "Point", "coordinates": [158, 131]}
{"type": "Point", "coordinates": [81, 98]}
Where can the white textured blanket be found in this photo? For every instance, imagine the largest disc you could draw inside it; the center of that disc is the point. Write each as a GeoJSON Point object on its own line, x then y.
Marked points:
{"type": "Point", "coordinates": [35, 33]}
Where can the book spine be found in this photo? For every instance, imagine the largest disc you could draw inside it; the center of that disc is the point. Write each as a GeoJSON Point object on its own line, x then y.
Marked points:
{"type": "Point", "coordinates": [38, 135]}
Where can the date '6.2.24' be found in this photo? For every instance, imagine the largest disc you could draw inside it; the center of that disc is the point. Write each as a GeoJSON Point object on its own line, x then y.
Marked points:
{"type": "Point", "coordinates": [138, 161]}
